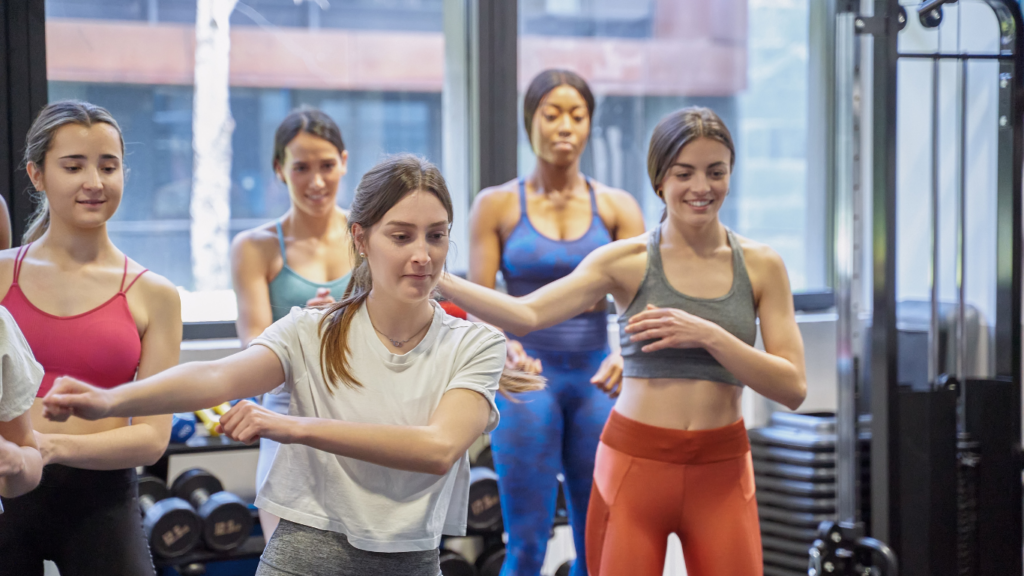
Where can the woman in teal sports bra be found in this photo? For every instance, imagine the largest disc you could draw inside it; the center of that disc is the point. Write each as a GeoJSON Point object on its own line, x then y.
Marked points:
{"type": "Point", "coordinates": [302, 259]}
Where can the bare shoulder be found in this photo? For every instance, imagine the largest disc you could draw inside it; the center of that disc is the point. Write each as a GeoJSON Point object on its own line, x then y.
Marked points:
{"type": "Point", "coordinates": [623, 251]}
{"type": "Point", "coordinates": [7, 258]}
{"type": "Point", "coordinates": [617, 197]}
{"type": "Point", "coordinates": [761, 257]}
{"type": "Point", "coordinates": [256, 244]}
{"type": "Point", "coordinates": [157, 291]}
{"type": "Point", "coordinates": [497, 197]}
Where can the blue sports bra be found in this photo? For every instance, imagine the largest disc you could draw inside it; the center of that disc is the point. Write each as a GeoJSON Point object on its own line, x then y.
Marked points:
{"type": "Point", "coordinates": [530, 260]}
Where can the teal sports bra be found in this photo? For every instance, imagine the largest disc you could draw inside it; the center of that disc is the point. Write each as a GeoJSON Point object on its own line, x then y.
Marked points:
{"type": "Point", "coordinates": [289, 289]}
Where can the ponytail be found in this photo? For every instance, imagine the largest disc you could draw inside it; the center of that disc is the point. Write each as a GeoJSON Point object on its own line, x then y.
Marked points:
{"type": "Point", "coordinates": [39, 221]}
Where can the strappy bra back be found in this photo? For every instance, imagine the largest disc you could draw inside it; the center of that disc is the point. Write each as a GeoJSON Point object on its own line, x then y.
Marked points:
{"type": "Point", "coordinates": [289, 289]}
{"type": "Point", "coordinates": [101, 346]}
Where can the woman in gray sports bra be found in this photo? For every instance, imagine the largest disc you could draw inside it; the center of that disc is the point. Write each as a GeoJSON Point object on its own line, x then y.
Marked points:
{"type": "Point", "coordinates": [674, 455]}
{"type": "Point", "coordinates": [301, 259]}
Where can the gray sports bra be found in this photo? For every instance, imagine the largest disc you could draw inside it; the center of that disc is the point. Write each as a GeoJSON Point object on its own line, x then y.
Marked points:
{"type": "Point", "coordinates": [735, 312]}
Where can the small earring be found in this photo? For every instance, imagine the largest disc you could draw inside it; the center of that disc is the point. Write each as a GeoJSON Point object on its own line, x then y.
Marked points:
{"type": "Point", "coordinates": [362, 255]}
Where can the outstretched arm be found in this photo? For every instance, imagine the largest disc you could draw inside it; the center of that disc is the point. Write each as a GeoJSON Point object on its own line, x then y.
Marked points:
{"type": "Point", "coordinates": [547, 306]}
{"type": "Point", "coordinates": [184, 388]}
{"type": "Point", "coordinates": [460, 418]}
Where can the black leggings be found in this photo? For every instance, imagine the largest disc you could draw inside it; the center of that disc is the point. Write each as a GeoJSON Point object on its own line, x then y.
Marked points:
{"type": "Point", "coordinates": [87, 522]}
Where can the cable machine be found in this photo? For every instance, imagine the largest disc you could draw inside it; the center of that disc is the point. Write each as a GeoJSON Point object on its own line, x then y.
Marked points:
{"type": "Point", "coordinates": [945, 447]}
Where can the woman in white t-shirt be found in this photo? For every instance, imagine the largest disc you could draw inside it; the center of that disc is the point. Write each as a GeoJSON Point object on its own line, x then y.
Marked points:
{"type": "Point", "coordinates": [387, 393]}
{"type": "Point", "coordinates": [21, 465]}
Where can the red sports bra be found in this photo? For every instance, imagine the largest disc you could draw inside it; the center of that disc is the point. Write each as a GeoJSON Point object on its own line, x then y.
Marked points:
{"type": "Point", "coordinates": [101, 346]}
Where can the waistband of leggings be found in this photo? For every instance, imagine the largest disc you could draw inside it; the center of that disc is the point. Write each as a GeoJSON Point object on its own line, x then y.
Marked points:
{"type": "Point", "coordinates": [675, 446]}
{"type": "Point", "coordinates": [59, 475]}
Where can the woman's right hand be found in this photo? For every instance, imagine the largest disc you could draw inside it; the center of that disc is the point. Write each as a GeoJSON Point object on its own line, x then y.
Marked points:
{"type": "Point", "coordinates": [517, 359]}
{"type": "Point", "coordinates": [323, 296]}
{"type": "Point", "coordinates": [71, 397]}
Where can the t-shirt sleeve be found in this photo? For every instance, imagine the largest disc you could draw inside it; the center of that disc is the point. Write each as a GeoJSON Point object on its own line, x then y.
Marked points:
{"type": "Point", "coordinates": [282, 337]}
{"type": "Point", "coordinates": [20, 374]}
{"type": "Point", "coordinates": [480, 366]}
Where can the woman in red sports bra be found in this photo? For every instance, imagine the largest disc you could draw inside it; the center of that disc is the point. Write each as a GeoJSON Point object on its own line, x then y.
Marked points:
{"type": "Point", "coordinates": [87, 311]}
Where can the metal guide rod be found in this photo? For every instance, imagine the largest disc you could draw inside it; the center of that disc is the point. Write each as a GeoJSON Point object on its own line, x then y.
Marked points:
{"type": "Point", "coordinates": [933, 329]}
{"type": "Point", "coordinates": [846, 412]}
{"type": "Point", "coordinates": [961, 254]}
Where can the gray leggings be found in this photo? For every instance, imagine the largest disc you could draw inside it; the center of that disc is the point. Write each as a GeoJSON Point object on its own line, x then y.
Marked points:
{"type": "Point", "coordinates": [297, 550]}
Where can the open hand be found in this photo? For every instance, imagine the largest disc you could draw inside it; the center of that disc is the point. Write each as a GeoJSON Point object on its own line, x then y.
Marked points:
{"type": "Point", "coordinates": [517, 359]}
{"type": "Point", "coordinates": [609, 375]}
{"type": "Point", "coordinates": [71, 397]}
{"type": "Point", "coordinates": [669, 328]}
{"type": "Point", "coordinates": [248, 422]}
{"type": "Point", "coordinates": [323, 297]}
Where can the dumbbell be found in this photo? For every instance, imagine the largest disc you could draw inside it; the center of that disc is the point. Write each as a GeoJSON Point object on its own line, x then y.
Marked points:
{"type": "Point", "coordinates": [489, 563]}
{"type": "Point", "coordinates": [226, 519]}
{"type": "Point", "coordinates": [183, 427]}
{"type": "Point", "coordinates": [484, 515]}
{"type": "Point", "coordinates": [485, 458]}
{"type": "Point", "coordinates": [454, 564]}
{"type": "Point", "coordinates": [172, 527]}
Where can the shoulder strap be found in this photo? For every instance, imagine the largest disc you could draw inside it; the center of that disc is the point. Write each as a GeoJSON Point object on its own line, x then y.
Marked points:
{"type": "Point", "coordinates": [18, 259]}
{"type": "Point", "coordinates": [134, 280]}
{"type": "Point", "coordinates": [593, 196]}
{"type": "Point", "coordinates": [739, 262]}
{"type": "Point", "coordinates": [124, 275]}
{"type": "Point", "coordinates": [654, 250]}
{"type": "Point", "coordinates": [522, 198]}
{"type": "Point", "coordinates": [280, 241]}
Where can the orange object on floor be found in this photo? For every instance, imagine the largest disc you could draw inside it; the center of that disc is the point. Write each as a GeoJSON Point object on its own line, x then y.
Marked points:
{"type": "Point", "coordinates": [651, 481]}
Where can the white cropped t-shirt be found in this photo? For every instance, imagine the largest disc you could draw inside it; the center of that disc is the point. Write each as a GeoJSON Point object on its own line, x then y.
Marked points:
{"type": "Point", "coordinates": [380, 509]}
{"type": "Point", "coordinates": [20, 373]}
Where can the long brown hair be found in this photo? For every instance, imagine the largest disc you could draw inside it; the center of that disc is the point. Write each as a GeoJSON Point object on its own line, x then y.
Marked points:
{"type": "Point", "coordinates": [37, 143]}
{"type": "Point", "coordinates": [677, 130]}
{"type": "Point", "coordinates": [380, 189]}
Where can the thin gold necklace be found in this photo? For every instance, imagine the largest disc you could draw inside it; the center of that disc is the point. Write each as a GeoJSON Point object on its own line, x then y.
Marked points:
{"type": "Point", "coordinates": [400, 343]}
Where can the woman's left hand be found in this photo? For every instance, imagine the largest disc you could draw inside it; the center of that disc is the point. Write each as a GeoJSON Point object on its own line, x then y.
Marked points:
{"type": "Point", "coordinates": [609, 375]}
{"type": "Point", "coordinates": [669, 328]}
{"type": "Point", "coordinates": [248, 422]}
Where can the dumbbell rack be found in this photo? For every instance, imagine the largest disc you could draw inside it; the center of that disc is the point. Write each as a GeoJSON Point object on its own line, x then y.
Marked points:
{"type": "Point", "coordinates": [795, 473]}
{"type": "Point", "coordinates": [252, 548]}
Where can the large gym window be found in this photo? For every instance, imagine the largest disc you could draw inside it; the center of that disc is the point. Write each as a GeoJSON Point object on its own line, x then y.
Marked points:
{"type": "Point", "coordinates": [376, 67]}
{"type": "Point", "coordinates": [748, 60]}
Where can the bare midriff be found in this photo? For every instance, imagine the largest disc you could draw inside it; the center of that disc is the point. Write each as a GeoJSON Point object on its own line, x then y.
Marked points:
{"type": "Point", "coordinates": [678, 403]}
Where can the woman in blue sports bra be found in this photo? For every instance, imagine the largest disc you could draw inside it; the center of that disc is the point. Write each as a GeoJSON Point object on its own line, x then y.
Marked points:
{"type": "Point", "coordinates": [536, 231]}
{"type": "Point", "coordinates": [302, 259]}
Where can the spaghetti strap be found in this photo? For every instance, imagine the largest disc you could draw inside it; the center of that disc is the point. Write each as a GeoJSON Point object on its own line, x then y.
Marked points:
{"type": "Point", "coordinates": [134, 280]}
{"type": "Point", "coordinates": [522, 199]}
{"type": "Point", "coordinates": [124, 275]}
{"type": "Point", "coordinates": [280, 241]}
{"type": "Point", "coordinates": [18, 259]}
{"type": "Point", "coordinates": [593, 195]}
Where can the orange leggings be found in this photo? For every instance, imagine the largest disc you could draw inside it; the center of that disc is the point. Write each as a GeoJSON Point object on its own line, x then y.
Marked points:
{"type": "Point", "coordinates": [651, 481]}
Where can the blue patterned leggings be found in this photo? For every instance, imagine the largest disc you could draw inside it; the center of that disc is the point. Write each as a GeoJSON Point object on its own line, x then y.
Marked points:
{"type": "Point", "coordinates": [550, 431]}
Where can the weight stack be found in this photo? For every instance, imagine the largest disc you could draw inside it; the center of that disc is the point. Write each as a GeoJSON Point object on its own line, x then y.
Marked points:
{"type": "Point", "coordinates": [795, 474]}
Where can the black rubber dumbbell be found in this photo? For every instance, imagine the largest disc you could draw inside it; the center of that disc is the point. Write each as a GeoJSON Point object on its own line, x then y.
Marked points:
{"type": "Point", "coordinates": [484, 514]}
{"type": "Point", "coordinates": [172, 527]}
{"type": "Point", "coordinates": [227, 522]}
